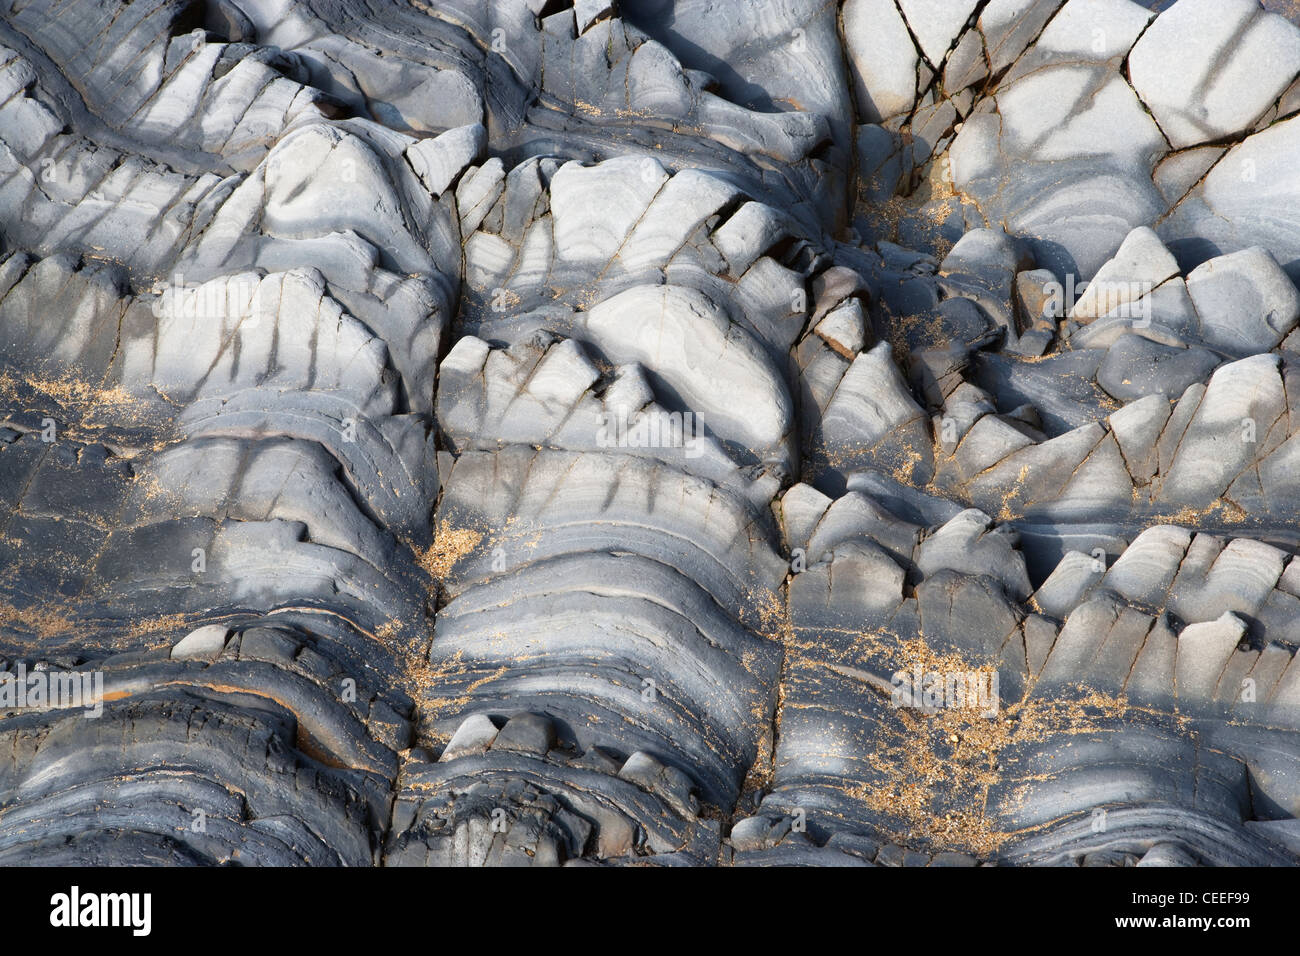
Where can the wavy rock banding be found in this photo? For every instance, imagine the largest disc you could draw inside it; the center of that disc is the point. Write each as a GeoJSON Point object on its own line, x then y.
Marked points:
{"type": "Point", "coordinates": [548, 432]}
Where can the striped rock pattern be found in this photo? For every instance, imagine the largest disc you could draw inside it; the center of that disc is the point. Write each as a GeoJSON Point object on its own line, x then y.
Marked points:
{"type": "Point", "coordinates": [679, 432]}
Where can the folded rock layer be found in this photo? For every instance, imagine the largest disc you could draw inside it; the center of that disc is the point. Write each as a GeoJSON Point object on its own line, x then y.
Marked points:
{"type": "Point", "coordinates": [649, 432]}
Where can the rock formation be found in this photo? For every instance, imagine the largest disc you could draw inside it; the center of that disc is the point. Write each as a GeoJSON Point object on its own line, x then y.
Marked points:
{"type": "Point", "coordinates": [701, 432]}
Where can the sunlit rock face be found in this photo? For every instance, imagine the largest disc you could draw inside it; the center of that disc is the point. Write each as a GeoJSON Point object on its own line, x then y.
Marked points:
{"type": "Point", "coordinates": [649, 432]}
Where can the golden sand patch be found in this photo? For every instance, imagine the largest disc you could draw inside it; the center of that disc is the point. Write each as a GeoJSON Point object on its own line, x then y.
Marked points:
{"type": "Point", "coordinates": [936, 769]}
{"type": "Point", "coordinates": [70, 392]}
{"type": "Point", "coordinates": [45, 622]}
{"type": "Point", "coordinates": [449, 546]}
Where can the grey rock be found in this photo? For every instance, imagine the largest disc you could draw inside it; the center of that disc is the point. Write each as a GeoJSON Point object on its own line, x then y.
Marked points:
{"type": "Point", "coordinates": [623, 401]}
{"type": "Point", "coordinates": [1235, 56]}
{"type": "Point", "coordinates": [475, 735]}
{"type": "Point", "coordinates": [526, 733]}
{"type": "Point", "coordinates": [1135, 367]}
{"type": "Point", "coordinates": [1246, 303]}
{"type": "Point", "coordinates": [201, 643]}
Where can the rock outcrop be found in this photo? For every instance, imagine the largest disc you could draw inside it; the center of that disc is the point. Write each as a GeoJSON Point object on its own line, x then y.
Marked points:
{"type": "Point", "coordinates": [668, 432]}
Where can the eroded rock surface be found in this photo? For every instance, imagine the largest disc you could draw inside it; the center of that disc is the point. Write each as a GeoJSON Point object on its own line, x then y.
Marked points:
{"type": "Point", "coordinates": [649, 432]}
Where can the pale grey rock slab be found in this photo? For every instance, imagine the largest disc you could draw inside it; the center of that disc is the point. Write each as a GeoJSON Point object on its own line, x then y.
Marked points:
{"type": "Point", "coordinates": [856, 515]}
{"type": "Point", "coordinates": [883, 59]}
{"type": "Point", "coordinates": [762, 55]}
{"type": "Point", "coordinates": [1246, 303]}
{"type": "Point", "coordinates": [475, 735]}
{"type": "Point", "coordinates": [706, 529]}
{"type": "Point", "coordinates": [1072, 578]}
{"type": "Point", "coordinates": [633, 327]}
{"type": "Point", "coordinates": [1165, 315]}
{"type": "Point", "coordinates": [1136, 427]}
{"type": "Point", "coordinates": [1072, 198]}
{"type": "Point", "coordinates": [526, 733]}
{"type": "Point", "coordinates": [1140, 266]}
{"type": "Point", "coordinates": [1237, 58]}
{"type": "Point", "coordinates": [966, 66]}
{"type": "Point", "coordinates": [1179, 172]}
{"type": "Point", "coordinates": [1242, 401]}
{"type": "Point", "coordinates": [1009, 26]}
{"type": "Point", "coordinates": [1096, 30]}
{"type": "Point", "coordinates": [1245, 200]}
{"type": "Point", "coordinates": [203, 642]}
{"type": "Point", "coordinates": [937, 24]}
{"type": "Point", "coordinates": [802, 507]}
{"type": "Point", "coordinates": [970, 543]}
